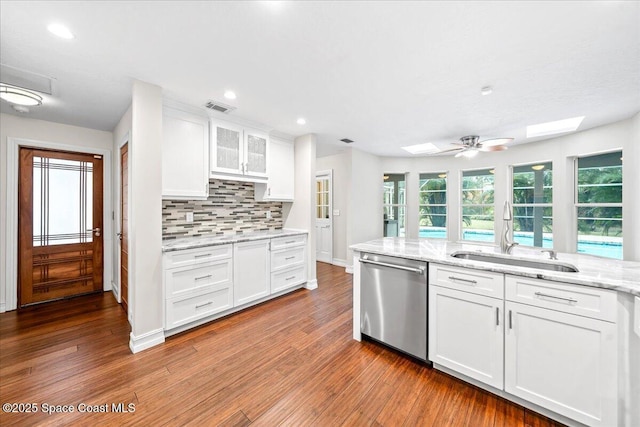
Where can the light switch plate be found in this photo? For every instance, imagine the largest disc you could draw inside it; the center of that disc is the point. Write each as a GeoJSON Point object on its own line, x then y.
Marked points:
{"type": "Point", "coordinates": [189, 217]}
{"type": "Point", "coordinates": [336, 212]}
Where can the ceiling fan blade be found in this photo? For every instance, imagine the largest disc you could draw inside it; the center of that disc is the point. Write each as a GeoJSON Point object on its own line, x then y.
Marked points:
{"type": "Point", "coordinates": [493, 148]}
{"type": "Point", "coordinates": [495, 141]}
{"type": "Point", "coordinates": [451, 149]}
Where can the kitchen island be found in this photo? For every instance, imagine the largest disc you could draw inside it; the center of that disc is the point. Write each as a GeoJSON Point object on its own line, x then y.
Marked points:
{"type": "Point", "coordinates": [565, 344]}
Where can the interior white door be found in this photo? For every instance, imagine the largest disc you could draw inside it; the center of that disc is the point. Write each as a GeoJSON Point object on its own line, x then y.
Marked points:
{"type": "Point", "coordinates": [324, 217]}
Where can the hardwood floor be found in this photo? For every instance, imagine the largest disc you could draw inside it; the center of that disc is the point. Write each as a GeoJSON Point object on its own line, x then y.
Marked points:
{"type": "Point", "coordinates": [290, 361]}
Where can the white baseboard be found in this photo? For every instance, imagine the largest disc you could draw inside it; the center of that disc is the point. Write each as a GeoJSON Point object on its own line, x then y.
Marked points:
{"type": "Point", "coordinates": [3, 307]}
{"type": "Point", "coordinates": [339, 262]}
{"type": "Point", "coordinates": [145, 341]}
{"type": "Point", "coordinates": [311, 284]}
{"type": "Point", "coordinates": [349, 269]}
{"type": "Point", "coordinates": [115, 292]}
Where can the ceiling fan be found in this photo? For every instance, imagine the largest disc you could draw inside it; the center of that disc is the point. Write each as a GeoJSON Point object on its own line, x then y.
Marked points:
{"type": "Point", "coordinates": [470, 145]}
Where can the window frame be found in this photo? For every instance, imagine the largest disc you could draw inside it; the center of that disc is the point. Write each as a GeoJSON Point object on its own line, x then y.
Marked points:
{"type": "Point", "coordinates": [463, 205]}
{"type": "Point", "coordinates": [577, 205]}
{"type": "Point", "coordinates": [445, 205]}
{"type": "Point", "coordinates": [403, 225]}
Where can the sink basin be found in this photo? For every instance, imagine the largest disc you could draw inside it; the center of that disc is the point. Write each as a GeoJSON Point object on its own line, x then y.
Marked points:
{"type": "Point", "coordinates": [518, 262]}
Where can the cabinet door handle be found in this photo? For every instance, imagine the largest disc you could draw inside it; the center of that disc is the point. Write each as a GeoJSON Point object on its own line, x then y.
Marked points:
{"type": "Point", "coordinates": [203, 277]}
{"type": "Point", "coordinates": [459, 279]}
{"type": "Point", "coordinates": [510, 320]}
{"type": "Point", "coordinates": [289, 257]}
{"type": "Point", "coordinates": [290, 278]}
{"type": "Point", "coordinates": [204, 305]}
{"type": "Point", "coordinates": [497, 316]}
{"type": "Point", "coordinates": [290, 241]}
{"type": "Point", "coordinates": [541, 295]}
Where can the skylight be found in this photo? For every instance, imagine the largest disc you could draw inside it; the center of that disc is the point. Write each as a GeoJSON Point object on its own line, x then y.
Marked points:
{"type": "Point", "coordinates": [552, 128]}
{"type": "Point", "coordinates": [427, 148]}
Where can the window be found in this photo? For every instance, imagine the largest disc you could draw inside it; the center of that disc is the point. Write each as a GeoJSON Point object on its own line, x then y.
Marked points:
{"type": "Point", "coordinates": [394, 203]}
{"type": "Point", "coordinates": [433, 205]}
{"type": "Point", "coordinates": [599, 205]}
{"type": "Point", "coordinates": [532, 205]}
{"type": "Point", "coordinates": [477, 205]}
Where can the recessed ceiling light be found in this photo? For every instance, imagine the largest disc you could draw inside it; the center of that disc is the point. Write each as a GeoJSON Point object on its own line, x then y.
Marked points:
{"type": "Point", "coordinates": [537, 167]}
{"type": "Point", "coordinates": [427, 148]}
{"type": "Point", "coordinates": [60, 31]}
{"type": "Point", "coordinates": [487, 90]}
{"type": "Point", "coordinates": [19, 96]}
{"type": "Point", "coordinates": [301, 121]}
{"type": "Point", "coordinates": [551, 128]}
{"type": "Point", "coordinates": [230, 94]}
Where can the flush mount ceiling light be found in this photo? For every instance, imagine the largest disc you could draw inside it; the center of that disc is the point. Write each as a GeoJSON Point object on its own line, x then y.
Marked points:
{"type": "Point", "coordinates": [230, 94]}
{"type": "Point", "coordinates": [487, 90]}
{"type": "Point", "coordinates": [427, 148]}
{"type": "Point", "coordinates": [60, 31]}
{"type": "Point", "coordinates": [537, 167]}
{"type": "Point", "coordinates": [552, 128]}
{"type": "Point", "coordinates": [301, 121]}
{"type": "Point", "coordinates": [19, 96]}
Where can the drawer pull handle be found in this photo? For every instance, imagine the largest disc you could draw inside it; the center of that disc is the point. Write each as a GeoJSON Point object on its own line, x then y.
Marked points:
{"type": "Point", "coordinates": [204, 305]}
{"type": "Point", "coordinates": [202, 255]}
{"type": "Point", "coordinates": [541, 295]}
{"type": "Point", "coordinates": [290, 241]}
{"type": "Point", "coordinates": [289, 257]}
{"type": "Point", "coordinates": [203, 277]}
{"type": "Point", "coordinates": [290, 278]}
{"type": "Point", "coordinates": [497, 316]}
{"type": "Point", "coordinates": [473, 282]}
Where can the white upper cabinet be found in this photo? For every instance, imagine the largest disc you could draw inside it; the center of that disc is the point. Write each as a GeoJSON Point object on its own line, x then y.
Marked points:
{"type": "Point", "coordinates": [238, 153]}
{"type": "Point", "coordinates": [185, 155]}
{"type": "Point", "coordinates": [280, 170]}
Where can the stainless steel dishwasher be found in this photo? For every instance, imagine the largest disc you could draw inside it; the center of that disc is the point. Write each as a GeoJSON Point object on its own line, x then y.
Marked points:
{"type": "Point", "coordinates": [393, 302]}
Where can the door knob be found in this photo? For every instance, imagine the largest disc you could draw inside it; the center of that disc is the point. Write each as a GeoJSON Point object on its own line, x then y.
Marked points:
{"type": "Point", "coordinates": [95, 230]}
{"type": "Point", "coordinates": [119, 235]}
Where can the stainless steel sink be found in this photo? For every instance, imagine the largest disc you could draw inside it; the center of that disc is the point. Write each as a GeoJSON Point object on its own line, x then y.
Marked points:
{"type": "Point", "coordinates": [496, 259]}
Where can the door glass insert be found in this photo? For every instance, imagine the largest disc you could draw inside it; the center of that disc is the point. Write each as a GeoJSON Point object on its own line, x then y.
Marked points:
{"type": "Point", "coordinates": [62, 201]}
{"type": "Point", "coordinates": [227, 148]}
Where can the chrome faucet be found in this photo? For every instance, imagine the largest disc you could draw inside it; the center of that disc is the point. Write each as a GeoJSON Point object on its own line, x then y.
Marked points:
{"type": "Point", "coordinates": [552, 254]}
{"type": "Point", "coordinates": [506, 245]}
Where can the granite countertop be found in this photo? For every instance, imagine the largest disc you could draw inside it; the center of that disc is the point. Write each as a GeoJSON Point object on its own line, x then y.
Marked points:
{"type": "Point", "coordinates": [592, 271]}
{"type": "Point", "coordinates": [193, 242]}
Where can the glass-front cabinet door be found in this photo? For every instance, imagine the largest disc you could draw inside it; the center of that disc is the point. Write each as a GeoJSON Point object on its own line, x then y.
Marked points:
{"type": "Point", "coordinates": [255, 158]}
{"type": "Point", "coordinates": [226, 152]}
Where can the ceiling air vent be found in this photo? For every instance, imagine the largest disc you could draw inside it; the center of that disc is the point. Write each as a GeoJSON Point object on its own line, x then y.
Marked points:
{"type": "Point", "coordinates": [219, 106]}
{"type": "Point", "coordinates": [346, 140]}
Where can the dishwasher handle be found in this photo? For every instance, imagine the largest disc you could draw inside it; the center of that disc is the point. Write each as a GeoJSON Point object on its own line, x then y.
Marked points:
{"type": "Point", "coordinates": [399, 267]}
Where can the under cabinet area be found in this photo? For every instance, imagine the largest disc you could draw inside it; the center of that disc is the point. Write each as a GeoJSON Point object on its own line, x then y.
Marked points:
{"type": "Point", "coordinates": [238, 152]}
{"type": "Point", "coordinates": [185, 155]}
{"type": "Point", "coordinates": [548, 343]}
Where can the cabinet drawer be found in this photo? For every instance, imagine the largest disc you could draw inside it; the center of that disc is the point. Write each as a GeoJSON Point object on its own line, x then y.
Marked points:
{"type": "Point", "coordinates": [466, 279]}
{"type": "Point", "coordinates": [284, 258]}
{"type": "Point", "coordinates": [575, 299]}
{"type": "Point", "coordinates": [180, 311]}
{"type": "Point", "coordinates": [196, 256]}
{"type": "Point", "coordinates": [190, 278]}
{"type": "Point", "coordinates": [284, 242]}
{"type": "Point", "coordinates": [288, 278]}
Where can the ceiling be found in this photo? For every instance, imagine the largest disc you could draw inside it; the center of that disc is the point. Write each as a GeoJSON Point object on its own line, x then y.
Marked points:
{"type": "Point", "coordinates": [384, 74]}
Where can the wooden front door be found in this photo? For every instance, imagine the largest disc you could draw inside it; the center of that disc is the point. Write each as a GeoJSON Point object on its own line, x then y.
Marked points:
{"type": "Point", "coordinates": [124, 227]}
{"type": "Point", "coordinates": [59, 225]}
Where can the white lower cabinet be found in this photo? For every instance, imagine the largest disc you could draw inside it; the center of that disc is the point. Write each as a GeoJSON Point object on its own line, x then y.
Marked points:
{"type": "Point", "coordinates": [556, 343]}
{"type": "Point", "coordinates": [251, 271]}
{"type": "Point", "coordinates": [460, 321]}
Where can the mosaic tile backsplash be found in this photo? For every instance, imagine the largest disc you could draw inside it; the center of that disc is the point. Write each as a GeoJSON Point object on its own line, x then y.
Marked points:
{"type": "Point", "coordinates": [230, 209]}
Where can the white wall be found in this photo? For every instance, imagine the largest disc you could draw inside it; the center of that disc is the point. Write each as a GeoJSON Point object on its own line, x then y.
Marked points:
{"type": "Point", "coordinates": [340, 164]}
{"type": "Point", "coordinates": [38, 130]}
{"type": "Point", "coordinates": [145, 237]}
{"type": "Point", "coordinates": [561, 151]}
{"type": "Point", "coordinates": [301, 213]}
